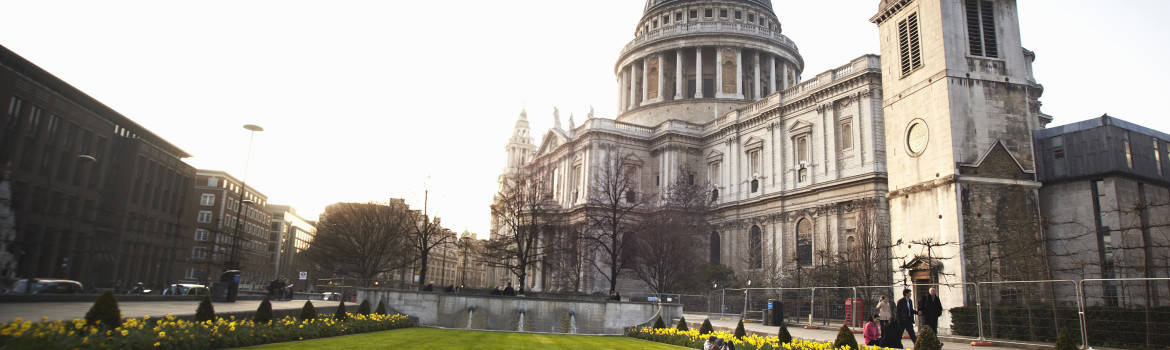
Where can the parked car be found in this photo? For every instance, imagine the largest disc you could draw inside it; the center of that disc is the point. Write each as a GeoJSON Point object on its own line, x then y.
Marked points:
{"type": "Point", "coordinates": [46, 286]}
{"type": "Point", "coordinates": [332, 296]}
{"type": "Point", "coordinates": [186, 289]}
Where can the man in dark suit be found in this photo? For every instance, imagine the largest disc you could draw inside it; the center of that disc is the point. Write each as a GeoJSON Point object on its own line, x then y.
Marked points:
{"type": "Point", "coordinates": [931, 309]}
{"type": "Point", "coordinates": [906, 314]}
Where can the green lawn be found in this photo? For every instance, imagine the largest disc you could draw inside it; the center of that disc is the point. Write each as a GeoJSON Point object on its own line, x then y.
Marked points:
{"type": "Point", "coordinates": [430, 338]}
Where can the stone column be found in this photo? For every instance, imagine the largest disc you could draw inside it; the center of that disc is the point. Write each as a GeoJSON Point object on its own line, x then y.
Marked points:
{"type": "Point", "coordinates": [661, 78]}
{"type": "Point", "coordinates": [783, 76]}
{"type": "Point", "coordinates": [771, 73]}
{"type": "Point", "coordinates": [632, 79]}
{"type": "Point", "coordinates": [718, 72]}
{"type": "Point", "coordinates": [645, 77]}
{"type": "Point", "coordinates": [678, 74]}
{"type": "Point", "coordinates": [756, 76]}
{"type": "Point", "coordinates": [698, 72]}
{"type": "Point", "coordinates": [739, 73]}
{"type": "Point", "coordinates": [621, 80]}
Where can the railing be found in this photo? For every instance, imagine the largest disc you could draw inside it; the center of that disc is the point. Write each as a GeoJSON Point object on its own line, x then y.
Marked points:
{"type": "Point", "coordinates": [708, 27]}
{"type": "Point", "coordinates": [1115, 313]}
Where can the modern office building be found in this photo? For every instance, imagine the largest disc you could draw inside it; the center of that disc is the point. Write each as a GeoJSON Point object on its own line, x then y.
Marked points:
{"type": "Point", "coordinates": [94, 196]}
{"type": "Point", "coordinates": [291, 234]}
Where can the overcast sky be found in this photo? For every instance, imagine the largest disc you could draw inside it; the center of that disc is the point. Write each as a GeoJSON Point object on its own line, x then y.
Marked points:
{"type": "Point", "coordinates": [368, 100]}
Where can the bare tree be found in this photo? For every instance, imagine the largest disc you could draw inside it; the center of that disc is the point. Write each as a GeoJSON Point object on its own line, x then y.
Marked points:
{"type": "Point", "coordinates": [522, 214]}
{"type": "Point", "coordinates": [362, 240]}
{"type": "Point", "coordinates": [426, 234]}
{"type": "Point", "coordinates": [666, 249]}
{"type": "Point", "coordinates": [612, 215]}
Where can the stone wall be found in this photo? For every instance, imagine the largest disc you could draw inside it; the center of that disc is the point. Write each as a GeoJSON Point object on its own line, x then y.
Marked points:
{"type": "Point", "coordinates": [504, 313]}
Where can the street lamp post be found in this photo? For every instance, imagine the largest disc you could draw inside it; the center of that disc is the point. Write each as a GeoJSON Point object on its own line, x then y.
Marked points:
{"type": "Point", "coordinates": [234, 260]}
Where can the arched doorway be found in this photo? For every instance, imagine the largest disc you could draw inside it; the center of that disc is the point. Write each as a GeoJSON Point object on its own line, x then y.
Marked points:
{"type": "Point", "coordinates": [804, 242]}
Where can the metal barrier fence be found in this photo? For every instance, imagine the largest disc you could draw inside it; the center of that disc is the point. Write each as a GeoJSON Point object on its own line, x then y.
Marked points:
{"type": "Point", "coordinates": [1115, 313]}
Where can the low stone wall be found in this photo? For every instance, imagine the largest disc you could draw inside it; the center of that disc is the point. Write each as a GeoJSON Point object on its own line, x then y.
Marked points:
{"type": "Point", "coordinates": [504, 313]}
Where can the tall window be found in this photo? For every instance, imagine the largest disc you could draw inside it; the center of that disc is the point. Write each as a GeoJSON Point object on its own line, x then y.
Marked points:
{"type": "Point", "coordinates": [207, 199]}
{"type": "Point", "coordinates": [845, 134]}
{"type": "Point", "coordinates": [204, 216]}
{"type": "Point", "coordinates": [714, 259]}
{"type": "Point", "coordinates": [804, 242]}
{"type": "Point", "coordinates": [713, 173]}
{"type": "Point", "coordinates": [908, 45]}
{"type": "Point", "coordinates": [1158, 155]}
{"type": "Point", "coordinates": [755, 248]}
{"type": "Point", "coordinates": [754, 169]}
{"type": "Point", "coordinates": [14, 111]}
{"type": "Point", "coordinates": [802, 158]}
{"type": "Point", "coordinates": [34, 122]}
{"type": "Point", "coordinates": [981, 28]}
{"type": "Point", "coordinates": [1128, 152]}
{"type": "Point", "coordinates": [201, 234]}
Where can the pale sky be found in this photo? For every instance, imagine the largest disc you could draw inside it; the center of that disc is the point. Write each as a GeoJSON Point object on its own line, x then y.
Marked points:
{"type": "Point", "coordinates": [368, 100]}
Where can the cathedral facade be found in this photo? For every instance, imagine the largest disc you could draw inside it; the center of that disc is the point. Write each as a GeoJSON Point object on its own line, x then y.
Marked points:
{"type": "Point", "coordinates": [928, 160]}
{"type": "Point", "coordinates": [713, 91]}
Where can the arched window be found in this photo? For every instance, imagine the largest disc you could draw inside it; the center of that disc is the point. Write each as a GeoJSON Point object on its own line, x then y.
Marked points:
{"type": "Point", "coordinates": [714, 195]}
{"type": "Point", "coordinates": [755, 248]}
{"type": "Point", "coordinates": [714, 260]}
{"type": "Point", "coordinates": [804, 242]}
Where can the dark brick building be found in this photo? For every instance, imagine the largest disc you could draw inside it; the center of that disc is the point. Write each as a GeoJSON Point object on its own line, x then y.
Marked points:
{"type": "Point", "coordinates": [216, 216]}
{"type": "Point", "coordinates": [95, 197]}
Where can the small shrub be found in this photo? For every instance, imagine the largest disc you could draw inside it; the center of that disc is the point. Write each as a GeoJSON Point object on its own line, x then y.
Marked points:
{"type": "Point", "coordinates": [659, 324]}
{"type": "Point", "coordinates": [682, 324]}
{"type": "Point", "coordinates": [381, 310]}
{"type": "Point", "coordinates": [927, 340]}
{"type": "Point", "coordinates": [308, 312]}
{"type": "Point", "coordinates": [783, 334]}
{"type": "Point", "coordinates": [706, 328]}
{"type": "Point", "coordinates": [264, 312]}
{"type": "Point", "coordinates": [105, 311]}
{"type": "Point", "coordinates": [340, 313]}
{"type": "Point", "coordinates": [205, 312]}
{"type": "Point", "coordinates": [1065, 341]}
{"type": "Point", "coordinates": [845, 338]}
{"type": "Point", "coordinates": [739, 332]}
{"type": "Point", "coordinates": [364, 307]}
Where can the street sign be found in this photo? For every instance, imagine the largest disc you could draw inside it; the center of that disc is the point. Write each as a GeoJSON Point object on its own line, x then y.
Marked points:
{"type": "Point", "coordinates": [304, 275]}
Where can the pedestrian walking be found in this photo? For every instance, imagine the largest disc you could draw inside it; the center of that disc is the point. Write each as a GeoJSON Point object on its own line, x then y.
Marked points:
{"type": "Point", "coordinates": [885, 311]}
{"type": "Point", "coordinates": [931, 308]}
{"type": "Point", "coordinates": [906, 314]}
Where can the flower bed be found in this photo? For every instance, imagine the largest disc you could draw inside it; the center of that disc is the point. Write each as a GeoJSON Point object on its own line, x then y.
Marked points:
{"type": "Point", "coordinates": [172, 333]}
{"type": "Point", "coordinates": [692, 339]}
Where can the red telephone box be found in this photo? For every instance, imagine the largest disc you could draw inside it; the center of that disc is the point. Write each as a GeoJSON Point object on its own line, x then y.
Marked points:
{"type": "Point", "coordinates": [854, 308]}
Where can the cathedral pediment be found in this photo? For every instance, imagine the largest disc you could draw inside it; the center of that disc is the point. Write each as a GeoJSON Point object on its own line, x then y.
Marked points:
{"type": "Point", "coordinates": [552, 139]}
{"type": "Point", "coordinates": [714, 156]}
{"type": "Point", "coordinates": [800, 127]}
{"type": "Point", "coordinates": [753, 143]}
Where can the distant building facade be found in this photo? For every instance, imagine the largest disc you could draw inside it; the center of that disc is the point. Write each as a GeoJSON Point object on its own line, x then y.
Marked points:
{"type": "Point", "coordinates": [223, 220]}
{"type": "Point", "coordinates": [95, 197]}
{"type": "Point", "coordinates": [1106, 205]}
{"type": "Point", "coordinates": [291, 235]}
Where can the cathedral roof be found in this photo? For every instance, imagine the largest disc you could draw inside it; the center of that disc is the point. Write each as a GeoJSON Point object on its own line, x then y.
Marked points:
{"type": "Point", "coordinates": [654, 4]}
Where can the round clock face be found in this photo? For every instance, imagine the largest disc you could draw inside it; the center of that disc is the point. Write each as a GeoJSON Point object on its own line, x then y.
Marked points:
{"type": "Point", "coordinates": [917, 136]}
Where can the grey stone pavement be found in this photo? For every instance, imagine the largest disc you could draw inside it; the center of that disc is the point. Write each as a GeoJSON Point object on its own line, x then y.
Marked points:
{"type": "Point", "coordinates": [71, 310]}
{"type": "Point", "coordinates": [729, 322]}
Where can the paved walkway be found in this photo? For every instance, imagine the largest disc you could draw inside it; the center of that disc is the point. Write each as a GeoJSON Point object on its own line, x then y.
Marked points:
{"type": "Point", "coordinates": [71, 310]}
{"type": "Point", "coordinates": [696, 320]}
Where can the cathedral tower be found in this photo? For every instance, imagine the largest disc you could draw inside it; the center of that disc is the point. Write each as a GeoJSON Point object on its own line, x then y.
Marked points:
{"type": "Point", "coordinates": [520, 149]}
{"type": "Point", "coordinates": [960, 104]}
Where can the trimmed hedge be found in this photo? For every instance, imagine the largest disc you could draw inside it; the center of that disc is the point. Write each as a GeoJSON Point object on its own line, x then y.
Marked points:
{"type": "Point", "coordinates": [1108, 326]}
{"type": "Point", "coordinates": [104, 312]}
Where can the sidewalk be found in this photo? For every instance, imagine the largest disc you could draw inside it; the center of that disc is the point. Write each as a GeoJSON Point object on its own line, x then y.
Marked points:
{"type": "Point", "coordinates": [136, 309]}
{"type": "Point", "coordinates": [696, 320]}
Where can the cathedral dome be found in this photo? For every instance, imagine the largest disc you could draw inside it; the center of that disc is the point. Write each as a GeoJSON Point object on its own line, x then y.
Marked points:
{"type": "Point", "coordinates": [654, 4]}
{"type": "Point", "coordinates": [692, 60]}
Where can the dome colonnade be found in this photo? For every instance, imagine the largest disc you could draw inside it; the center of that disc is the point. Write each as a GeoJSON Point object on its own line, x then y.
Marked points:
{"type": "Point", "coordinates": [723, 53]}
